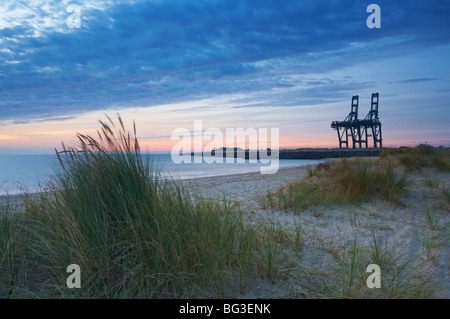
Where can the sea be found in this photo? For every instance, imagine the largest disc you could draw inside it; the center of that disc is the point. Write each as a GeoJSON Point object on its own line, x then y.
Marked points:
{"type": "Point", "coordinates": [31, 173]}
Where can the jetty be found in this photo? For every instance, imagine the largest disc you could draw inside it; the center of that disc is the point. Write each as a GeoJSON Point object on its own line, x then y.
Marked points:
{"type": "Point", "coordinates": [294, 153]}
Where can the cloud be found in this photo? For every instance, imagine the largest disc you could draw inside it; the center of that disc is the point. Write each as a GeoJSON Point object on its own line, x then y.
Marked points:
{"type": "Point", "coordinates": [144, 53]}
{"type": "Point", "coordinates": [419, 80]}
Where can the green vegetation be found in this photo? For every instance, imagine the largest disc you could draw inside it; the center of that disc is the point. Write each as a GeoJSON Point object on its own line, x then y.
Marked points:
{"type": "Point", "coordinates": [419, 157]}
{"type": "Point", "coordinates": [342, 182]}
{"type": "Point", "coordinates": [359, 180]}
{"type": "Point", "coordinates": [432, 182]}
{"type": "Point", "coordinates": [446, 195]}
{"type": "Point", "coordinates": [401, 277]}
{"type": "Point", "coordinates": [353, 181]}
{"type": "Point", "coordinates": [430, 218]}
{"type": "Point", "coordinates": [132, 235]}
{"type": "Point", "coordinates": [12, 250]}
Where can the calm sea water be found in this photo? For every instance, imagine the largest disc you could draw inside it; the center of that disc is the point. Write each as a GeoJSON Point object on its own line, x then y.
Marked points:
{"type": "Point", "coordinates": [28, 173]}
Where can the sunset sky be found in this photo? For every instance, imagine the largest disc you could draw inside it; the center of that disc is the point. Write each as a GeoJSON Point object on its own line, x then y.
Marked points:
{"type": "Point", "coordinates": [292, 65]}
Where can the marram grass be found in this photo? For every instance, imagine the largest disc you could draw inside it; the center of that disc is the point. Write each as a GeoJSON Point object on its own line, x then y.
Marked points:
{"type": "Point", "coordinates": [347, 181]}
{"type": "Point", "coordinates": [419, 157]}
{"type": "Point", "coordinates": [132, 235]}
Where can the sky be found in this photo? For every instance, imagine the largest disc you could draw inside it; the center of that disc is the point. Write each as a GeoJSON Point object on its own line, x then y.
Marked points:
{"type": "Point", "coordinates": [292, 65]}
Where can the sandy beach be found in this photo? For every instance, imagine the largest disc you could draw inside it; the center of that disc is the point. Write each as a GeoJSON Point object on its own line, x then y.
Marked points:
{"type": "Point", "coordinates": [328, 231]}
{"type": "Point", "coordinates": [244, 188]}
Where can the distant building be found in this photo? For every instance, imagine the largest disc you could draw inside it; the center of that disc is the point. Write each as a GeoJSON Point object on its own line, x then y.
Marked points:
{"type": "Point", "coordinates": [224, 150]}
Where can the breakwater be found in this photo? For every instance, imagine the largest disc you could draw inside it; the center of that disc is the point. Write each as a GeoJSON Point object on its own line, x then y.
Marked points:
{"type": "Point", "coordinates": [333, 153]}
{"type": "Point", "coordinates": [301, 154]}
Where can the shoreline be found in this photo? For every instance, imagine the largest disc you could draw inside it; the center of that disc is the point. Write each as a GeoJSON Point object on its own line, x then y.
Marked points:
{"type": "Point", "coordinates": [242, 188]}
{"type": "Point", "coordinates": [297, 153]}
{"type": "Point", "coordinates": [190, 180]}
{"type": "Point", "coordinates": [329, 230]}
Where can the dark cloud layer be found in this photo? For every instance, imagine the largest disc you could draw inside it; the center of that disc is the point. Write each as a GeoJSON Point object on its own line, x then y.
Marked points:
{"type": "Point", "coordinates": [152, 53]}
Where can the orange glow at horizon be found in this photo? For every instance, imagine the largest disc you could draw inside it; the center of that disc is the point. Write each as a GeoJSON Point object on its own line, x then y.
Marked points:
{"type": "Point", "coordinates": [50, 135]}
{"type": "Point", "coordinates": [155, 126]}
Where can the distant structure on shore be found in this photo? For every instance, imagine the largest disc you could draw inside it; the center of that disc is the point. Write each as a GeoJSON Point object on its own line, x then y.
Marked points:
{"type": "Point", "coordinates": [360, 130]}
{"type": "Point", "coordinates": [289, 154]}
{"type": "Point", "coordinates": [236, 152]}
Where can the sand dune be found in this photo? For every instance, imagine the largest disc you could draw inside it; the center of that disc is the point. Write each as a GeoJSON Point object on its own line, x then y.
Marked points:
{"type": "Point", "coordinates": [328, 231]}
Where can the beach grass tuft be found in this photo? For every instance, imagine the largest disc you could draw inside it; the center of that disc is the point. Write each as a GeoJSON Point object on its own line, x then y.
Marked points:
{"type": "Point", "coordinates": [401, 277]}
{"type": "Point", "coordinates": [11, 262]}
{"type": "Point", "coordinates": [419, 157]}
{"type": "Point", "coordinates": [132, 235]}
{"type": "Point", "coordinates": [344, 182]}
